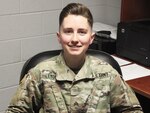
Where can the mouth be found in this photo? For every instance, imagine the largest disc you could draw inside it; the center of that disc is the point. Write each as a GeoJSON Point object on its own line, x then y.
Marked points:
{"type": "Point", "coordinates": [74, 46]}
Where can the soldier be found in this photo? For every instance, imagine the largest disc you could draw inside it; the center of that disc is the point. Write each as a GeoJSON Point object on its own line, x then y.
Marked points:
{"type": "Point", "coordinates": [74, 82]}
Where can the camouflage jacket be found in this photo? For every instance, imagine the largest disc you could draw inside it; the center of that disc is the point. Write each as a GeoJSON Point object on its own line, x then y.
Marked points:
{"type": "Point", "coordinates": [52, 87]}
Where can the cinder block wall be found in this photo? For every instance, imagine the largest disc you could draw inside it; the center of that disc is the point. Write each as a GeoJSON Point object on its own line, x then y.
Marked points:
{"type": "Point", "coordinates": [29, 26]}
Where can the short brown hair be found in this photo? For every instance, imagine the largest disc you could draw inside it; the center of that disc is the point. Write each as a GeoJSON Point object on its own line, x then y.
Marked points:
{"type": "Point", "coordinates": [76, 9]}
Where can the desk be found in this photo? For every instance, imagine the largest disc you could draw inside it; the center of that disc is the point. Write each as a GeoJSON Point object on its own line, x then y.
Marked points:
{"type": "Point", "coordinates": [141, 85]}
{"type": "Point", "coordinates": [138, 78]}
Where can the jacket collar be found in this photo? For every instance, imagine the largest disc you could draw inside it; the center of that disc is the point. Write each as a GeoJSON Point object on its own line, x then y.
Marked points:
{"type": "Point", "coordinates": [66, 74]}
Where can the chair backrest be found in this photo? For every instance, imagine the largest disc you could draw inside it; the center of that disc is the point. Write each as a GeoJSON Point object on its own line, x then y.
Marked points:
{"type": "Point", "coordinates": [33, 61]}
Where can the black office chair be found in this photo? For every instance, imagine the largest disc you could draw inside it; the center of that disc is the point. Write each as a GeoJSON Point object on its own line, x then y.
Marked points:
{"type": "Point", "coordinates": [33, 61]}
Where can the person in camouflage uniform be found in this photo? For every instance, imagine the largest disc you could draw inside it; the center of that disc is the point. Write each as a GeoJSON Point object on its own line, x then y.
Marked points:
{"type": "Point", "coordinates": [74, 82]}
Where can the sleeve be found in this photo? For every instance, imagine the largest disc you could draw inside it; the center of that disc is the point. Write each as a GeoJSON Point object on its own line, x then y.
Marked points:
{"type": "Point", "coordinates": [123, 99]}
{"type": "Point", "coordinates": [27, 98]}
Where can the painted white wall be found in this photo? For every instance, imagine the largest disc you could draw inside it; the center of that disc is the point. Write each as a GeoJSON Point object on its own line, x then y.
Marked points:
{"type": "Point", "coordinates": [28, 27]}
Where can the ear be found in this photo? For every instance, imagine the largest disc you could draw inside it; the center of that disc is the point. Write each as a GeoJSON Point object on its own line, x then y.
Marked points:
{"type": "Point", "coordinates": [58, 37]}
{"type": "Point", "coordinates": [92, 37]}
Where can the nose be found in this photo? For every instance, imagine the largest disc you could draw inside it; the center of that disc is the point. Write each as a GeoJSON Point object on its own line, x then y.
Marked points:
{"type": "Point", "coordinates": [74, 40]}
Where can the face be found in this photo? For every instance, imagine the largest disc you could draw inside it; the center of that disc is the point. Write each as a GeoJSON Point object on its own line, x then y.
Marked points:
{"type": "Point", "coordinates": [75, 35]}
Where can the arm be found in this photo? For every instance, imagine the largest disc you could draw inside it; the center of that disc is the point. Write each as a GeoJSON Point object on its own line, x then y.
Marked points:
{"type": "Point", "coordinates": [27, 96]}
{"type": "Point", "coordinates": [123, 99]}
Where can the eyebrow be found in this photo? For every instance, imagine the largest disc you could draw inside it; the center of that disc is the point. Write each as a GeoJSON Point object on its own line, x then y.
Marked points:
{"type": "Point", "coordinates": [82, 29]}
{"type": "Point", "coordinates": [69, 28]}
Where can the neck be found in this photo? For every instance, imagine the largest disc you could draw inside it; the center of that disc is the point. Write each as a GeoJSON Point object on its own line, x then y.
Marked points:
{"type": "Point", "coordinates": [74, 62]}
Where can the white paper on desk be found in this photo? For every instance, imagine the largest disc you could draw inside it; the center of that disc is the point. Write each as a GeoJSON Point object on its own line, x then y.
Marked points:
{"type": "Point", "coordinates": [133, 71]}
{"type": "Point", "coordinates": [120, 61]}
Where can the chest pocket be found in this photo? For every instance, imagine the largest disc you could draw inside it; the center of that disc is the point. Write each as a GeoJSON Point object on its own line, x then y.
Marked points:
{"type": "Point", "coordinates": [99, 98]}
{"type": "Point", "coordinates": [52, 96]}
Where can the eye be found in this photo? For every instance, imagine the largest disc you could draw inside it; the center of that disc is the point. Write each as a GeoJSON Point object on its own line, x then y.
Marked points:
{"type": "Point", "coordinates": [82, 32]}
{"type": "Point", "coordinates": [68, 31]}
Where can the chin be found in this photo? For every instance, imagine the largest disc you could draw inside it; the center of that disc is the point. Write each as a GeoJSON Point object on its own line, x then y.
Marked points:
{"type": "Point", "coordinates": [76, 52]}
